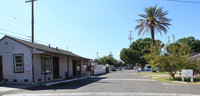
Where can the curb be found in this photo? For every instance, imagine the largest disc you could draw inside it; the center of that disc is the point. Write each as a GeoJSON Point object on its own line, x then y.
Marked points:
{"type": "Point", "coordinates": [105, 94]}
{"type": "Point", "coordinates": [180, 82]}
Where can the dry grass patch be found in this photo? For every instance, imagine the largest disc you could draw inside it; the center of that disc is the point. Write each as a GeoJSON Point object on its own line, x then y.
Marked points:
{"type": "Point", "coordinates": [153, 73]}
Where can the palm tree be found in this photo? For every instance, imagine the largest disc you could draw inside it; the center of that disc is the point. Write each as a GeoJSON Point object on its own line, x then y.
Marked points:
{"type": "Point", "coordinates": [153, 20]}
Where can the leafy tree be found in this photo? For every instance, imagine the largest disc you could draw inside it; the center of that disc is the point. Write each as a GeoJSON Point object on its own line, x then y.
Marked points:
{"type": "Point", "coordinates": [152, 57]}
{"type": "Point", "coordinates": [129, 56]}
{"type": "Point", "coordinates": [109, 60]}
{"type": "Point", "coordinates": [153, 20]}
{"type": "Point", "coordinates": [136, 50]}
{"type": "Point", "coordinates": [120, 64]}
{"type": "Point", "coordinates": [177, 60]}
{"type": "Point", "coordinates": [171, 46]}
{"type": "Point", "coordinates": [194, 44]}
{"type": "Point", "coordinates": [143, 45]}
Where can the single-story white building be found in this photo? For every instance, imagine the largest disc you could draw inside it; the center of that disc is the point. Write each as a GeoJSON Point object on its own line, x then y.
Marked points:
{"type": "Point", "coordinates": [22, 61]}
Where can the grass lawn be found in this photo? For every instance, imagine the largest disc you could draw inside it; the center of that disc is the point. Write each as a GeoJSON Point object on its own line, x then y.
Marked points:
{"type": "Point", "coordinates": [166, 79]}
{"type": "Point", "coordinates": [153, 73]}
{"type": "Point", "coordinates": [169, 79]}
{"type": "Point", "coordinates": [195, 79]}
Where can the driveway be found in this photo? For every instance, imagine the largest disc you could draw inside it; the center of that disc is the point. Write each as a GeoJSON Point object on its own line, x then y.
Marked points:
{"type": "Point", "coordinates": [121, 83]}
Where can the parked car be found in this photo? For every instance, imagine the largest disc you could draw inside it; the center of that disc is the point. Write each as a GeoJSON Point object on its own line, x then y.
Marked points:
{"type": "Point", "coordinates": [148, 68]}
{"type": "Point", "coordinates": [139, 69]}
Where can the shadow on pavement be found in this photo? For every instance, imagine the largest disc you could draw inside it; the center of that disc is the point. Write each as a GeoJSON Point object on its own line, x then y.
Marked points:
{"type": "Point", "coordinates": [69, 85]}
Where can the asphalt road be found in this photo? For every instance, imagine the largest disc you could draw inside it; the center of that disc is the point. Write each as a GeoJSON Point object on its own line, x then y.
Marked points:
{"type": "Point", "coordinates": [121, 83]}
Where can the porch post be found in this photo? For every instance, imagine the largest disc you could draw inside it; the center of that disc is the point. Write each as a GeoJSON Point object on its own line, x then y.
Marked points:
{"type": "Point", "coordinates": [45, 67]}
{"type": "Point", "coordinates": [33, 79]}
{"type": "Point", "coordinates": [80, 67]}
{"type": "Point", "coordinates": [68, 66]}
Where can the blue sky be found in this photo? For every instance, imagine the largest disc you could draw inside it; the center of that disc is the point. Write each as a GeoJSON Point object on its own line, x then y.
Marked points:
{"type": "Point", "coordinates": [86, 27]}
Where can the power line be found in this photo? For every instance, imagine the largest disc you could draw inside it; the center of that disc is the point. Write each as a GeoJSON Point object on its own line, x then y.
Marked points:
{"type": "Point", "coordinates": [28, 38]}
{"type": "Point", "coordinates": [14, 33]}
{"type": "Point", "coordinates": [15, 36]}
{"type": "Point", "coordinates": [184, 1]}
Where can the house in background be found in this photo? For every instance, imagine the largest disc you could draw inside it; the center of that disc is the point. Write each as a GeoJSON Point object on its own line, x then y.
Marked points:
{"type": "Point", "coordinates": [195, 55]}
{"type": "Point", "coordinates": [26, 62]}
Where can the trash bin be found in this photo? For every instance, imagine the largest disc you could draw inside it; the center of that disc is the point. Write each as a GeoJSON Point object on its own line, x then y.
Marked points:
{"type": "Point", "coordinates": [107, 69]}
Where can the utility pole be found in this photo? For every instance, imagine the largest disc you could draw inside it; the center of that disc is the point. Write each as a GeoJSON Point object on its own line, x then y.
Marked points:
{"type": "Point", "coordinates": [32, 1]}
{"type": "Point", "coordinates": [111, 53]}
{"type": "Point", "coordinates": [67, 48]}
{"type": "Point", "coordinates": [97, 55]}
{"type": "Point", "coordinates": [130, 36]}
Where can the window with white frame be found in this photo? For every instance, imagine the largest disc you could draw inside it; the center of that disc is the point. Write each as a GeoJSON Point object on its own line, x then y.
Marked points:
{"type": "Point", "coordinates": [46, 61]}
{"type": "Point", "coordinates": [18, 63]}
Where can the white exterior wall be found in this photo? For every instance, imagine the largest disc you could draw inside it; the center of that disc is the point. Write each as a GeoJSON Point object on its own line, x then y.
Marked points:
{"type": "Point", "coordinates": [13, 47]}
{"type": "Point", "coordinates": [70, 67]}
{"type": "Point", "coordinates": [111, 67]}
{"type": "Point", "coordinates": [62, 67]}
{"type": "Point", "coordinates": [7, 52]}
{"type": "Point", "coordinates": [99, 69]}
{"type": "Point", "coordinates": [37, 69]}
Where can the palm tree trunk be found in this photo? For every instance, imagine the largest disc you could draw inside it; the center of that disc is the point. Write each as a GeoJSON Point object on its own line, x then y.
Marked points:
{"type": "Point", "coordinates": [152, 37]}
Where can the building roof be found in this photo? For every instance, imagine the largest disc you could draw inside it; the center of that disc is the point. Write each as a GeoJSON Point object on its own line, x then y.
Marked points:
{"type": "Point", "coordinates": [45, 48]}
{"type": "Point", "coordinates": [195, 55]}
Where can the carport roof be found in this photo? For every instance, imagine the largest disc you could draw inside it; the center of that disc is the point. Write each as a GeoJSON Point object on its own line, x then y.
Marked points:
{"type": "Point", "coordinates": [45, 48]}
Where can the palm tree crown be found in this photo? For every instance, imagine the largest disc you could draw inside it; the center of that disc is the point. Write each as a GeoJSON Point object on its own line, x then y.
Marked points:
{"type": "Point", "coordinates": [153, 20]}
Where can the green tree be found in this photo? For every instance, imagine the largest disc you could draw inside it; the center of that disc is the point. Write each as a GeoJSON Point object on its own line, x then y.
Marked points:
{"type": "Point", "coordinates": [136, 50]}
{"type": "Point", "coordinates": [129, 56]}
{"type": "Point", "coordinates": [177, 60]}
{"type": "Point", "coordinates": [194, 44]}
{"type": "Point", "coordinates": [152, 57]}
{"type": "Point", "coordinates": [153, 20]}
{"type": "Point", "coordinates": [109, 60]}
{"type": "Point", "coordinates": [120, 64]}
{"type": "Point", "coordinates": [143, 45]}
{"type": "Point", "coordinates": [171, 46]}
